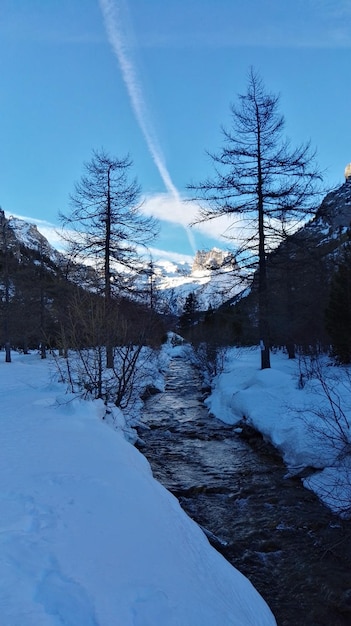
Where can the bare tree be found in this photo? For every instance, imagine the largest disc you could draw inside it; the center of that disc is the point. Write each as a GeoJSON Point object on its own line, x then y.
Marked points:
{"type": "Point", "coordinates": [106, 226]}
{"type": "Point", "coordinates": [260, 178]}
{"type": "Point", "coordinates": [329, 423]}
{"type": "Point", "coordinates": [136, 335]}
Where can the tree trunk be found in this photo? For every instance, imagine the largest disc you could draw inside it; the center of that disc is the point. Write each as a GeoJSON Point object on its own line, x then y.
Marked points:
{"type": "Point", "coordinates": [109, 347]}
{"type": "Point", "coordinates": [290, 312]}
{"type": "Point", "coordinates": [265, 357]}
{"type": "Point", "coordinates": [290, 347]}
{"type": "Point", "coordinates": [262, 278]}
{"type": "Point", "coordinates": [7, 293]}
{"type": "Point", "coordinates": [7, 352]}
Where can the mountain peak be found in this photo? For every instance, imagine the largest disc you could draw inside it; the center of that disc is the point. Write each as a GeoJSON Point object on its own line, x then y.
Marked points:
{"type": "Point", "coordinates": [336, 206]}
{"type": "Point", "coordinates": [210, 259]}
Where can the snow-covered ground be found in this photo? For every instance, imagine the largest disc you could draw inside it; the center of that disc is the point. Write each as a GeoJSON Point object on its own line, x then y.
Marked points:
{"type": "Point", "coordinates": [87, 536]}
{"type": "Point", "coordinates": [302, 406]}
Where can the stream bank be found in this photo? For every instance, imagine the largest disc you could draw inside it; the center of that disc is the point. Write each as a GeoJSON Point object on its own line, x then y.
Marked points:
{"type": "Point", "coordinates": [278, 534]}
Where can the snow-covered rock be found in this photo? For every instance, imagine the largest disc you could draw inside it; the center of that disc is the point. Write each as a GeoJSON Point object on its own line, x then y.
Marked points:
{"type": "Point", "coordinates": [211, 278]}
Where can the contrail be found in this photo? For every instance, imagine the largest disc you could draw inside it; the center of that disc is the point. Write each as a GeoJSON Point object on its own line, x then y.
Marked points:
{"type": "Point", "coordinates": [112, 20]}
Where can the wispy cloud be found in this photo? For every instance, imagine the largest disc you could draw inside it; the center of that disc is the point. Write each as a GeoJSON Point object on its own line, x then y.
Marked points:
{"type": "Point", "coordinates": [176, 211]}
{"type": "Point", "coordinates": [112, 14]}
{"type": "Point", "coordinates": [172, 257]}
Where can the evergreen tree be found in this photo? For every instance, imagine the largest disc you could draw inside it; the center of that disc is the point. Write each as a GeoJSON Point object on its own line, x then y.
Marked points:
{"type": "Point", "coordinates": [188, 315]}
{"type": "Point", "coordinates": [338, 311]}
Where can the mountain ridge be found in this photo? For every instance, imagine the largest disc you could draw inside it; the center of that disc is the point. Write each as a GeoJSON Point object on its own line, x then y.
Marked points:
{"type": "Point", "coordinates": [207, 276]}
{"type": "Point", "coordinates": [210, 276]}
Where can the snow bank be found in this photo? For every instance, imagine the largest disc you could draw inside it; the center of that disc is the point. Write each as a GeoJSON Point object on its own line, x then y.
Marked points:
{"type": "Point", "coordinates": [88, 537]}
{"type": "Point", "coordinates": [288, 416]}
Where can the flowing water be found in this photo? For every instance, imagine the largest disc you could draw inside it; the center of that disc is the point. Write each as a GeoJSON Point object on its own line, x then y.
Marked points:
{"type": "Point", "coordinates": [294, 551]}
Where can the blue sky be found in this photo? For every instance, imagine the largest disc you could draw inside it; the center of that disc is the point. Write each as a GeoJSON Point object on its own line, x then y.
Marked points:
{"type": "Point", "coordinates": [155, 79]}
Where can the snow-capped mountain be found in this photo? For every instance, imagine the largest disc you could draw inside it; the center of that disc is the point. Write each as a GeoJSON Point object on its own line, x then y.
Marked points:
{"type": "Point", "coordinates": [327, 232]}
{"type": "Point", "coordinates": [211, 278]}
{"type": "Point", "coordinates": [17, 233]}
{"type": "Point", "coordinates": [335, 209]}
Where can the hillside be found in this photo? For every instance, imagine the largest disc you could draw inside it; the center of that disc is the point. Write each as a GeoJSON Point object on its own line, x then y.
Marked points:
{"type": "Point", "coordinates": [209, 276]}
{"type": "Point", "coordinates": [42, 294]}
{"type": "Point", "coordinates": [299, 273]}
{"type": "Point", "coordinates": [301, 269]}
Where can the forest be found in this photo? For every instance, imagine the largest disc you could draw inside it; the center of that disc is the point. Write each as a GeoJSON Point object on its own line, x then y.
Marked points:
{"type": "Point", "coordinates": [100, 297]}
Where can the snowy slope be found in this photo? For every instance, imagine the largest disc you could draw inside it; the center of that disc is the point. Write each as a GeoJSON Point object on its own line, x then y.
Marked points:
{"type": "Point", "coordinates": [88, 537]}
{"type": "Point", "coordinates": [211, 285]}
{"type": "Point", "coordinates": [31, 237]}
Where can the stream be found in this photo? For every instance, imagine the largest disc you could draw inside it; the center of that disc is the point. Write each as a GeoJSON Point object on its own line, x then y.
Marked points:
{"type": "Point", "coordinates": [293, 549]}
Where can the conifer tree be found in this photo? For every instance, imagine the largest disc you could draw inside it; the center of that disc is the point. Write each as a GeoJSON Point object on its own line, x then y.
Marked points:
{"type": "Point", "coordinates": [106, 226]}
{"type": "Point", "coordinates": [187, 317]}
{"type": "Point", "coordinates": [263, 183]}
{"type": "Point", "coordinates": [338, 312]}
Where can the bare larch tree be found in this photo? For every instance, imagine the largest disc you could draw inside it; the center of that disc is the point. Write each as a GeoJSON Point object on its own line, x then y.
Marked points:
{"type": "Point", "coordinates": [106, 225]}
{"type": "Point", "coordinates": [261, 181]}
